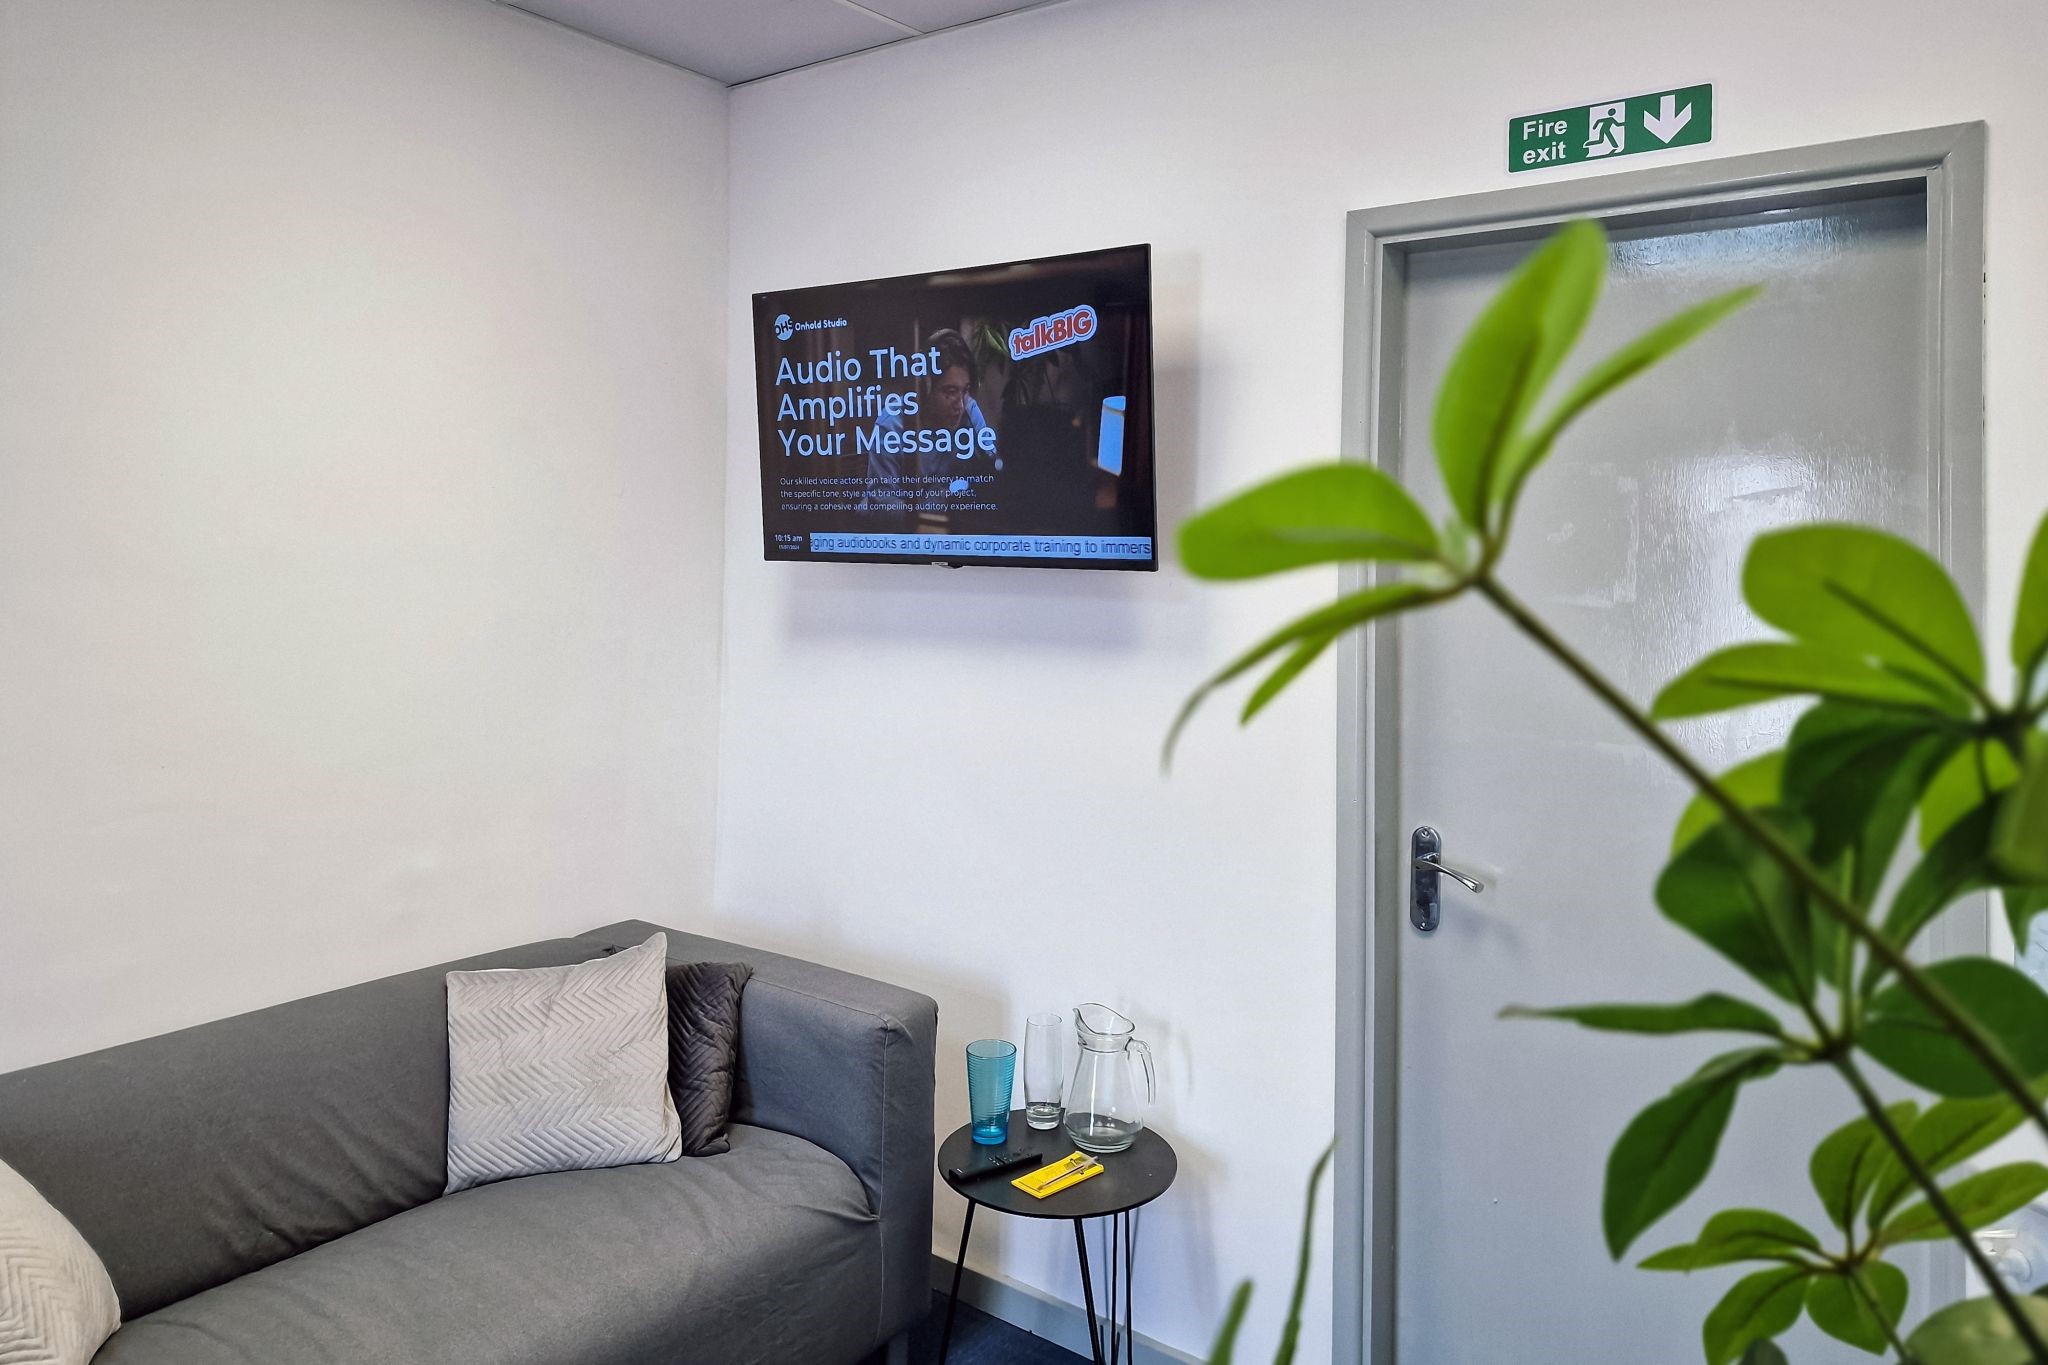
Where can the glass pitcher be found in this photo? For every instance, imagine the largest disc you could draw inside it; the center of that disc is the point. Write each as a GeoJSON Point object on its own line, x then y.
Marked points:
{"type": "Point", "coordinates": [1105, 1108]}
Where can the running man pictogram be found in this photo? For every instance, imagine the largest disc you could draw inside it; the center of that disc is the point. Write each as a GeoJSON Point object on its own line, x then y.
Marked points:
{"type": "Point", "coordinates": [1609, 124]}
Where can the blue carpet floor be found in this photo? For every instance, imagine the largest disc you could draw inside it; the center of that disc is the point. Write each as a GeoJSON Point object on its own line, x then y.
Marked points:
{"type": "Point", "coordinates": [979, 1339]}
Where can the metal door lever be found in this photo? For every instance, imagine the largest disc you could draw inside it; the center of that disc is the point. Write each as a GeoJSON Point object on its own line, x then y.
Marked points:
{"type": "Point", "coordinates": [1429, 863]}
{"type": "Point", "coordinates": [1425, 908]}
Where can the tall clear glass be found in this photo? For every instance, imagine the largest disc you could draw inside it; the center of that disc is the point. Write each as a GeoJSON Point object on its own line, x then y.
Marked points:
{"type": "Point", "coordinates": [1045, 1069]}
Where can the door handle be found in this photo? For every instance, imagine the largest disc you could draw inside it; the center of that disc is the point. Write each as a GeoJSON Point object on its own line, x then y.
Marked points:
{"type": "Point", "coordinates": [1425, 868]}
{"type": "Point", "coordinates": [1431, 864]}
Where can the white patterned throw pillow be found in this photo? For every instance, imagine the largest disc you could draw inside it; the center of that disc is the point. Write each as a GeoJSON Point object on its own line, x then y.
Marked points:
{"type": "Point", "coordinates": [559, 1068]}
{"type": "Point", "coordinates": [56, 1303]}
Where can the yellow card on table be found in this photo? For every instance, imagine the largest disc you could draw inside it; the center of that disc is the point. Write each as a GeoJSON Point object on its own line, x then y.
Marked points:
{"type": "Point", "coordinates": [1063, 1174]}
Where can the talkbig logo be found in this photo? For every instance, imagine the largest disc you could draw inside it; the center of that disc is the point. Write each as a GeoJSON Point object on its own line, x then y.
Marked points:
{"type": "Point", "coordinates": [1052, 331]}
{"type": "Point", "coordinates": [786, 327]}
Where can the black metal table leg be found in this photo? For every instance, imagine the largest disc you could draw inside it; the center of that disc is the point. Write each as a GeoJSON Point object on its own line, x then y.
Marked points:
{"type": "Point", "coordinates": [1130, 1277]}
{"type": "Point", "coordinates": [1088, 1293]}
{"type": "Point", "coordinates": [1116, 1228]}
{"type": "Point", "coordinates": [953, 1299]}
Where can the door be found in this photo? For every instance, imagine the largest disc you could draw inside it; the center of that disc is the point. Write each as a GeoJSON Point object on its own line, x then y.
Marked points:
{"type": "Point", "coordinates": [1821, 401]}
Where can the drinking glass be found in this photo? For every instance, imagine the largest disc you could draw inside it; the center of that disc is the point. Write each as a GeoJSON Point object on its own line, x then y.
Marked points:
{"type": "Point", "coordinates": [991, 1071]}
{"type": "Point", "coordinates": [1045, 1072]}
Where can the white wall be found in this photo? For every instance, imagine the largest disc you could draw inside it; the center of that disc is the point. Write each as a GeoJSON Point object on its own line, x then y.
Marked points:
{"type": "Point", "coordinates": [949, 777]}
{"type": "Point", "coordinates": [360, 483]}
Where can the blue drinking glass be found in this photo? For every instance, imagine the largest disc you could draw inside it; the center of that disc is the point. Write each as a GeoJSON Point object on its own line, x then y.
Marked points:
{"type": "Point", "coordinates": [991, 1070]}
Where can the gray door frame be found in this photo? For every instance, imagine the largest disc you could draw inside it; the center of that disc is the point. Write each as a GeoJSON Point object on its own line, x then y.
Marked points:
{"type": "Point", "coordinates": [1949, 162]}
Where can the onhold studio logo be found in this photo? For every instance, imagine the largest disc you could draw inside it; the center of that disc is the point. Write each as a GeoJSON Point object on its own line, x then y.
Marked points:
{"type": "Point", "coordinates": [786, 327]}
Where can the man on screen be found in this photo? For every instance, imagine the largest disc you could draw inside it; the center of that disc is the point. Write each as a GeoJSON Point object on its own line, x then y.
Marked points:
{"type": "Point", "coordinates": [926, 462]}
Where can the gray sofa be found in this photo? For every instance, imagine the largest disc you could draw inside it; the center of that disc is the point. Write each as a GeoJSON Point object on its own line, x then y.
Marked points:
{"type": "Point", "coordinates": [266, 1190]}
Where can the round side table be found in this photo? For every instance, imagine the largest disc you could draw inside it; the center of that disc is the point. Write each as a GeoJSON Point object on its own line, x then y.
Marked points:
{"type": "Point", "coordinates": [1130, 1179]}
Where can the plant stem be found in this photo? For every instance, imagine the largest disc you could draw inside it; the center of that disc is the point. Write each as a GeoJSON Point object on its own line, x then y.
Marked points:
{"type": "Point", "coordinates": [1936, 1200]}
{"type": "Point", "coordinates": [1891, 1333]}
{"type": "Point", "coordinates": [1985, 1049]}
{"type": "Point", "coordinates": [1795, 865]}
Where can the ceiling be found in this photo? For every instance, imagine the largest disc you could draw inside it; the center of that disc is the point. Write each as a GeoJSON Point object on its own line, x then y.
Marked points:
{"type": "Point", "coordinates": [741, 40]}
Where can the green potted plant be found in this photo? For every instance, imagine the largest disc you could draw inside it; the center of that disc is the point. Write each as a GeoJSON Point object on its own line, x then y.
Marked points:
{"type": "Point", "coordinates": [1908, 752]}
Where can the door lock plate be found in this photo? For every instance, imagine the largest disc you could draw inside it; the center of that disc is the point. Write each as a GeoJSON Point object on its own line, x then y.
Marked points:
{"type": "Point", "coordinates": [1425, 902]}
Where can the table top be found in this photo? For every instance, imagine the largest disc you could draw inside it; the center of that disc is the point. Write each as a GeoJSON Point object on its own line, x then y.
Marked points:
{"type": "Point", "coordinates": [1137, 1175]}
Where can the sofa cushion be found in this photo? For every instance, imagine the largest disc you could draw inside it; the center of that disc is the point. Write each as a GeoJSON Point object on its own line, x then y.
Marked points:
{"type": "Point", "coordinates": [56, 1303]}
{"type": "Point", "coordinates": [704, 1048]}
{"type": "Point", "coordinates": [191, 1158]}
{"type": "Point", "coordinates": [559, 1068]}
{"type": "Point", "coordinates": [767, 1253]}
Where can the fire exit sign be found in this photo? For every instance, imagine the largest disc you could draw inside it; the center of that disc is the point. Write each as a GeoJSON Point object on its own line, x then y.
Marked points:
{"type": "Point", "coordinates": [1623, 127]}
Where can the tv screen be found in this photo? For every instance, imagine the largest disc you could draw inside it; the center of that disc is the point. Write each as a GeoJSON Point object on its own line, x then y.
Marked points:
{"type": "Point", "coordinates": [996, 415]}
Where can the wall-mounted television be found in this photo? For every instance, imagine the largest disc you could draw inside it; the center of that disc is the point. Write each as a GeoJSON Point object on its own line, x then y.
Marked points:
{"type": "Point", "coordinates": [995, 415]}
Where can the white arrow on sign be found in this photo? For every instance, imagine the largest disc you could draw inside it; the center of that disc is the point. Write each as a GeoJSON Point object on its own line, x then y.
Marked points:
{"type": "Point", "coordinates": [1669, 120]}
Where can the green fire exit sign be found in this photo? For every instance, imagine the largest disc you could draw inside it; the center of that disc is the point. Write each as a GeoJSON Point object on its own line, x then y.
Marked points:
{"type": "Point", "coordinates": [1623, 127]}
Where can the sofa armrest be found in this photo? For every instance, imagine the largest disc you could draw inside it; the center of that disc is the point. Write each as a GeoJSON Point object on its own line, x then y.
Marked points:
{"type": "Point", "coordinates": [845, 1062]}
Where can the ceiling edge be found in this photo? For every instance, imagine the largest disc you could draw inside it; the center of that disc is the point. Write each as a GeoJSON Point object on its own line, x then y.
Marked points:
{"type": "Point", "coordinates": [909, 30]}
{"type": "Point", "coordinates": [514, 7]}
{"type": "Point", "coordinates": [913, 36]}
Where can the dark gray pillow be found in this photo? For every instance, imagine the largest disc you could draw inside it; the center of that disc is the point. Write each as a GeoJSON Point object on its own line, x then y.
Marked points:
{"type": "Point", "coordinates": [704, 1049]}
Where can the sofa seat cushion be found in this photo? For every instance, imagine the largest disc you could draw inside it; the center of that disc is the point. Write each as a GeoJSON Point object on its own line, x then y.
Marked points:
{"type": "Point", "coordinates": [767, 1253]}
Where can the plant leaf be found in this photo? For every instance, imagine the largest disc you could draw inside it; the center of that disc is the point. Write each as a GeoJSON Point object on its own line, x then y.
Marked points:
{"type": "Point", "coordinates": [1507, 357]}
{"type": "Point", "coordinates": [1352, 609]}
{"type": "Point", "coordinates": [1296, 662]}
{"type": "Point", "coordinates": [1763, 1353]}
{"type": "Point", "coordinates": [1856, 773]}
{"type": "Point", "coordinates": [1835, 1306]}
{"type": "Point", "coordinates": [1712, 1012]}
{"type": "Point", "coordinates": [1966, 781]}
{"type": "Point", "coordinates": [1753, 782]}
{"type": "Point", "coordinates": [2030, 621]}
{"type": "Point", "coordinates": [1738, 1235]}
{"type": "Point", "coordinates": [1849, 1161]}
{"type": "Point", "coordinates": [1977, 1332]}
{"type": "Point", "coordinates": [1345, 510]}
{"type": "Point", "coordinates": [2019, 842]}
{"type": "Point", "coordinates": [1581, 270]}
{"type": "Point", "coordinates": [1903, 1036]}
{"type": "Point", "coordinates": [1743, 675]}
{"type": "Point", "coordinates": [1233, 1321]}
{"type": "Point", "coordinates": [1670, 1258]}
{"type": "Point", "coordinates": [1760, 1306]}
{"type": "Point", "coordinates": [1845, 765]}
{"type": "Point", "coordinates": [1608, 375]}
{"type": "Point", "coordinates": [1957, 865]}
{"type": "Point", "coordinates": [1859, 591]}
{"type": "Point", "coordinates": [1875, 846]}
{"type": "Point", "coordinates": [1290, 1334]}
{"type": "Point", "coordinates": [1750, 1234]}
{"type": "Point", "coordinates": [1977, 1199]}
{"type": "Point", "coordinates": [1666, 1150]}
{"type": "Point", "coordinates": [1727, 891]}
{"type": "Point", "coordinates": [1950, 1132]}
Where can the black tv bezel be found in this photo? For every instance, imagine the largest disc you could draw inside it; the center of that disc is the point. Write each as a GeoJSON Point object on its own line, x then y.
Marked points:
{"type": "Point", "coordinates": [761, 318]}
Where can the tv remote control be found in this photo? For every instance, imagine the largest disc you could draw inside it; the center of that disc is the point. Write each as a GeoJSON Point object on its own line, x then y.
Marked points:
{"type": "Point", "coordinates": [997, 1163]}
